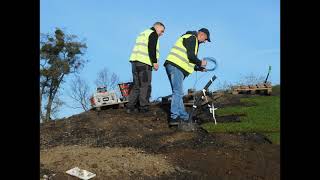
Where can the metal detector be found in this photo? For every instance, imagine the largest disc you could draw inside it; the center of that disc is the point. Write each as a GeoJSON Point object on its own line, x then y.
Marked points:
{"type": "Point", "coordinates": [191, 126]}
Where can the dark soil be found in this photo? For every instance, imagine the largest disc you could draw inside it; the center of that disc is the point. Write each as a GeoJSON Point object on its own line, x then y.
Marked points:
{"type": "Point", "coordinates": [117, 145]}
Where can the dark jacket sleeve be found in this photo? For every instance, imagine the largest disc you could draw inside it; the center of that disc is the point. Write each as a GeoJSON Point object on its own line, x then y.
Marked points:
{"type": "Point", "coordinates": [190, 44]}
{"type": "Point", "coordinates": [198, 68]}
{"type": "Point", "coordinates": [152, 46]}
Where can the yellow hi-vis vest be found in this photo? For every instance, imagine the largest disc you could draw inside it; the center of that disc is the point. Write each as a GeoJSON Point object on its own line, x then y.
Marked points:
{"type": "Point", "coordinates": [140, 51]}
{"type": "Point", "coordinates": [178, 54]}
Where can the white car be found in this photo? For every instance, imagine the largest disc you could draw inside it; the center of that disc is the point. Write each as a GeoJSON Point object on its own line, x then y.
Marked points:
{"type": "Point", "coordinates": [104, 98]}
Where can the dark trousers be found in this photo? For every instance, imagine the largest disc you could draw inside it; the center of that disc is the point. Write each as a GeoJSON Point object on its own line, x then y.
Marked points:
{"type": "Point", "coordinates": [141, 90]}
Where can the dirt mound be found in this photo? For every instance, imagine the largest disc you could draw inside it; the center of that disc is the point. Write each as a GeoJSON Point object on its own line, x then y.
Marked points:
{"type": "Point", "coordinates": [116, 145]}
{"type": "Point", "coordinates": [114, 128]}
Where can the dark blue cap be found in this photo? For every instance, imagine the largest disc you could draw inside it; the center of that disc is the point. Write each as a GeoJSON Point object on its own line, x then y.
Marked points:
{"type": "Point", "coordinates": [206, 31]}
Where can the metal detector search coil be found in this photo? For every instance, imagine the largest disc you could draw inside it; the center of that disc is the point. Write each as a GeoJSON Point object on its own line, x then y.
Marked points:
{"type": "Point", "coordinates": [213, 61]}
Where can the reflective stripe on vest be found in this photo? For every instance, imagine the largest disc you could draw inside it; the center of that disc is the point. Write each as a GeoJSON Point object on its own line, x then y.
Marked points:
{"type": "Point", "coordinates": [140, 51]}
{"type": "Point", "coordinates": [178, 54]}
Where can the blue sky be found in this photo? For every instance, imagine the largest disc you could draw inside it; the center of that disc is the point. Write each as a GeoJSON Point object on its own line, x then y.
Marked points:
{"type": "Point", "coordinates": [245, 36]}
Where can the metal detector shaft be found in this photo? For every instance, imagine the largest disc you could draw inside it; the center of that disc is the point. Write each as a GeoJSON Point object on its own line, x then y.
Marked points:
{"type": "Point", "coordinates": [265, 81]}
{"type": "Point", "coordinates": [210, 82]}
{"type": "Point", "coordinates": [198, 99]}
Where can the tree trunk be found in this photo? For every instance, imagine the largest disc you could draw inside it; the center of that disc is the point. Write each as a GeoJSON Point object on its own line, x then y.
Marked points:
{"type": "Point", "coordinates": [40, 103]}
{"type": "Point", "coordinates": [84, 107]}
{"type": "Point", "coordinates": [43, 85]}
{"type": "Point", "coordinates": [50, 99]}
{"type": "Point", "coordinates": [52, 94]}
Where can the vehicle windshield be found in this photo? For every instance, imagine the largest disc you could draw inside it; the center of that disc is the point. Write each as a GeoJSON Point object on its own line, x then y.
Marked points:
{"type": "Point", "coordinates": [102, 89]}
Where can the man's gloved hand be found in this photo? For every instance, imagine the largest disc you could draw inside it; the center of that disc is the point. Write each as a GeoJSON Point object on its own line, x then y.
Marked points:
{"type": "Point", "coordinates": [155, 66]}
{"type": "Point", "coordinates": [199, 68]}
{"type": "Point", "coordinates": [203, 70]}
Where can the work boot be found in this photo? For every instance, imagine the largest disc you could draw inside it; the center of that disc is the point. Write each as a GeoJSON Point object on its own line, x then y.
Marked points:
{"type": "Point", "coordinates": [147, 112]}
{"type": "Point", "coordinates": [187, 126]}
{"type": "Point", "coordinates": [144, 109]}
{"type": "Point", "coordinates": [175, 122]}
{"type": "Point", "coordinates": [131, 110]}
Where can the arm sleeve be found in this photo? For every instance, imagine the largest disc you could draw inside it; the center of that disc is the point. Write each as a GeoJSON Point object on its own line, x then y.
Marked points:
{"type": "Point", "coordinates": [152, 47]}
{"type": "Point", "coordinates": [190, 44]}
{"type": "Point", "coordinates": [198, 68]}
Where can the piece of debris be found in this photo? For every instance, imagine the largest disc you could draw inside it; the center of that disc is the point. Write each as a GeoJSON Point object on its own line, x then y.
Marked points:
{"type": "Point", "coordinates": [80, 173]}
{"type": "Point", "coordinates": [103, 98]}
{"type": "Point", "coordinates": [261, 88]}
{"type": "Point", "coordinates": [45, 177]}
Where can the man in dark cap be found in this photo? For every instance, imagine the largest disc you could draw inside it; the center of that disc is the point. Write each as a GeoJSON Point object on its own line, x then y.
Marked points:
{"type": "Point", "coordinates": [182, 61]}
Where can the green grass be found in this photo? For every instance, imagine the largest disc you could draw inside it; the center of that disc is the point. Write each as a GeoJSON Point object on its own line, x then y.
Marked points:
{"type": "Point", "coordinates": [264, 118]}
{"type": "Point", "coordinates": [274, 137]}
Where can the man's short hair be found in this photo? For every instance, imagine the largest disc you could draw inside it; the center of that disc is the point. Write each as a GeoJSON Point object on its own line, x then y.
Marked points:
{"type": "Point", "coordinates": [159, 23]}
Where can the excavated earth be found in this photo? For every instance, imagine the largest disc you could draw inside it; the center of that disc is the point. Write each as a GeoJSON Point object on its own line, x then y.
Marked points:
{"type": "Point", "coordinates": [116, 145]}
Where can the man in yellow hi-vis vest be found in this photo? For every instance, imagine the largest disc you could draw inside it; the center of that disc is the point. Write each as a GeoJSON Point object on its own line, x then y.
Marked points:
{"type": "Point", "coordinates": [182, 61]}
{"type": "Point", "coordinates": [144, 57]}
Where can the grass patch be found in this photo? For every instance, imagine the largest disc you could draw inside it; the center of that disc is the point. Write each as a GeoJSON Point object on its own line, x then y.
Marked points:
{"type": "Point", "coordinates": [274, 137]}
{"type": "Point", "coordinates": [263, 118]}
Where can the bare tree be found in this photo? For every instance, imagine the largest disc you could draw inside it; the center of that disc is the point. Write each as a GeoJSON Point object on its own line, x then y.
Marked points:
{"type": "Point", "coordinates": [251, 79]}
{"type": "Point", "coordinates": [56, 105]}
{"type": "Point", "coordinates": [108, 79]}
{"type": "Point", "coordinates": [224, 86]}
{"type": "Point", "coordinates": [80, 92]}
{"type": "Point", "coordinates": [114, 81]}
{"type": "Point", "coordinates": [248, 79]}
